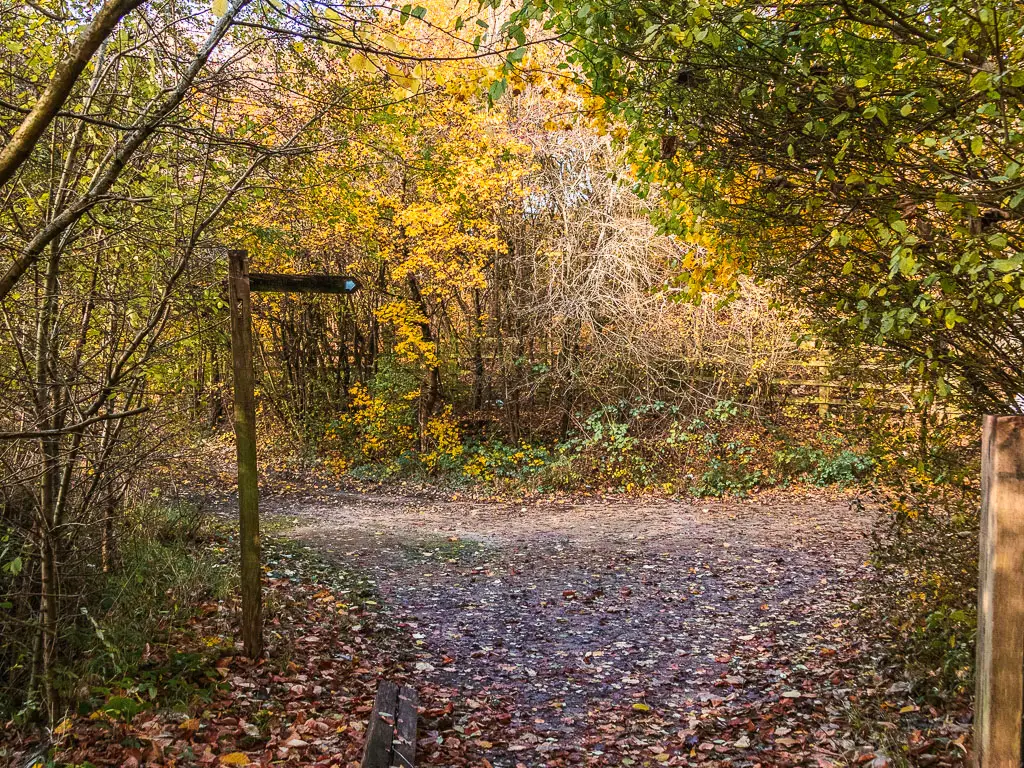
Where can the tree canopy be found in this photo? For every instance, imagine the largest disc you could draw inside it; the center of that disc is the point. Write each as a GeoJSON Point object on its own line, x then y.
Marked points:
{"type": "Point", "coordinates": [867, 153]}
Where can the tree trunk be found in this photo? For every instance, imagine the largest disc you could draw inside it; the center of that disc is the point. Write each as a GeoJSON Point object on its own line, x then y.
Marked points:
{"type": "Point", "coordinates": [49, 448]}
{"type": "Point", "coordinates": [216, 391]}
{"type": "Point", "coordinates": [107, 541]}
{"type": "Point", "coordinates": [431, 394]}
{"type": "Point", "coordinates": [478, 353]}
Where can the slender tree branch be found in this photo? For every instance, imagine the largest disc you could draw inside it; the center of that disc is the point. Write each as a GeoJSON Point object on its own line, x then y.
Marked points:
{"type": "Point", "coordinates": [73, 428]}
{"type": "Point", "coordinates": [18, 149]}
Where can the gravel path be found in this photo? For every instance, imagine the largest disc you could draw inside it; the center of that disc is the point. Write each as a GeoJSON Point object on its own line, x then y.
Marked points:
{"type": "Point", "coordinates": [646, 629]}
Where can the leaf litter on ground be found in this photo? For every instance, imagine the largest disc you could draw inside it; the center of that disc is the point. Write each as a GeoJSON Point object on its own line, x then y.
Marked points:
{"type": "Point", "coordinates": [598, 634]}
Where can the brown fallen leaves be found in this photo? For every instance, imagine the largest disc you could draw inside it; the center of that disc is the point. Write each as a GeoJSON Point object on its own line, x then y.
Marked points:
{"type": "Point", "coordinates": [511, 669]}
{"type": "Point", "coordinates": [306, 703]}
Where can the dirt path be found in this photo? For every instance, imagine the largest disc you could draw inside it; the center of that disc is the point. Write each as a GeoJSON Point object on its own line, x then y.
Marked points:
{"type": "Point", "coordinates": [619, 632]}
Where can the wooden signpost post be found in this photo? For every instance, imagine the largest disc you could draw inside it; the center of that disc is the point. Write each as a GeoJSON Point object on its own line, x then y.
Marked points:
{"type": "Point", "coordinates": [999, 700]}
{"type": "Point", "coordinates": [245, 445]}
{"type": "Point", "coordinates": [240, 283]}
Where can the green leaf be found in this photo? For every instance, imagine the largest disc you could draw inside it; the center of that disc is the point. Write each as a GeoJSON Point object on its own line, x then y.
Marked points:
{"type": "Point", "coordinates": [497, 90]}
{"type": "Point", "coordinates": [517, 55]}
{"type": "Point", "coordinates": [1006, 265]}
{"type": "Point", "coordinates": [997, 241]}
{"type": "Point", "coordinates": [981, 81]}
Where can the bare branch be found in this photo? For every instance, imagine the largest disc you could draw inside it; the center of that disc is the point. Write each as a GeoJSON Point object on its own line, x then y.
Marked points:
{"type": "Point", "coordinates": [73, 428]}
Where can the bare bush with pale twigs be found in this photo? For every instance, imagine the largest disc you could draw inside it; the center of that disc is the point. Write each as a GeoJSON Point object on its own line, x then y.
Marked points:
{"type": "Point", "coordinates": [589, 275]}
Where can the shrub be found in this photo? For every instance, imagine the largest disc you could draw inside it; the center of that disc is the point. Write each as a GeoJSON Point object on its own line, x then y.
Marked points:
{"type": "Point", "coordinates": [495, 460]}
{"type": "Point", "coordinates": [793, 462]}
{"type": "Point", "coordinates": [563, 472]}
{"type": "Point", "coordinates": [724, 465]}
{"type": "Point", "coordinates": [925, 602]}
{"type": "Point", "coordinates": [618, 445]}
{"type": "Point", "coordinates": [445, 441]}
{"type": "Point", "coordinates": [165, 571]}
{"type": "Point", "coordinates": [625, 446]}
{"type": "Point", "coordinates": [380, 425]}
{"type": "Point", "coordinates": [834, 464]}
{"type": "Point", "coordinates": [926, 553]}
{"type": "Point", "coordinates": [727, 472]}
{"type": "Point", "coordinates": [843, 469]}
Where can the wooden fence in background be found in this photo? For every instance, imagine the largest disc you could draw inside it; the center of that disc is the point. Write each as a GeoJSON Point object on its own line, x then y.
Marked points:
{"type": "Point", "coordinates": [825, 386]}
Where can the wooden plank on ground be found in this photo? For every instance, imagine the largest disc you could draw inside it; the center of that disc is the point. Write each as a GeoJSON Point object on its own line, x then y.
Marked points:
{"type": "Point", "coordinates": [391, 733]}
{"type": "Point", "coordinates": [999, 697]}
{"type": "Point", "coordinates": [381, 729]}
{"type": "Point", "coordinates": [404, 745]}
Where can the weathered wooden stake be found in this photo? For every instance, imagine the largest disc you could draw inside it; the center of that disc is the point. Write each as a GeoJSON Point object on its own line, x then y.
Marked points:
{"type": "Point", "coordinates": [245, 439]}
{"type": "Point", "coordinates": [1000, 662]}
{"type": "Point", "coordinates": [391, 732]}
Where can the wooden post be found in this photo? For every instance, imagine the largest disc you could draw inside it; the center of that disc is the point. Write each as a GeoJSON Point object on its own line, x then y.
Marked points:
{"type": "Point", "coordinates": [245, 439]}
{"type": "Point", "coordinates": [1000, 660]}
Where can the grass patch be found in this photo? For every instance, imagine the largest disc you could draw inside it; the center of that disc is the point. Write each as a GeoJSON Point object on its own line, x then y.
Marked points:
{"type": "Point", "coordinates": [445, 550]}
{"type": "Point", "coordinates": [172, 566]}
